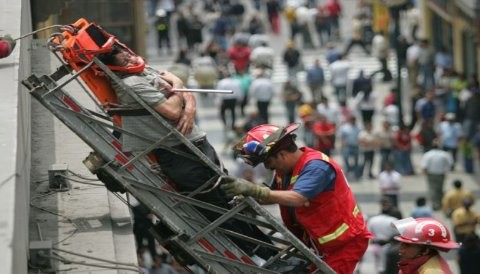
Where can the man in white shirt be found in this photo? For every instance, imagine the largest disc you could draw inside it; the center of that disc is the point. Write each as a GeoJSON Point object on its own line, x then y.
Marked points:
{"type": "Point", "coordinates": [450, 133]}
{"type": "Point", "coordinates": [413, 52]}
{"type": "Point", "coordinates": [389, 182]}
{"type": "Point", "coordinates": [435, 164]}
{"type": "Point", "coordinates": [380, 226]}
{"type": "Point", "coordinates": [330, 110]}
{"type": "Point", "coordinates": [228, 101]}
{"type": "Point", "coordinates": [339, 77]}
{"type": "Point", "coordinates": [262, 56]}
{"type": "Point", "coordinates": [380, 50]}
{"type": "Point", "coordinates": [262, 90]}
{"type": "Point", "coordinates": [368, 144]}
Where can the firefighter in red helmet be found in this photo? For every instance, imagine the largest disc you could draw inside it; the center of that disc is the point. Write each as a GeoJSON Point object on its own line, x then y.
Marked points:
{"type": "Point", "coordinates": [420, 242]}
{"type": "Point", "coordinates": [315, 200]}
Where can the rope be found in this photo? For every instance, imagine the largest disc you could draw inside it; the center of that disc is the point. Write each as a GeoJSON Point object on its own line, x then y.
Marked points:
{"type": "Point", "coordinates": [93, 258]}
{"type": "Point", "coordinates": [62, 27]}
{"type": "Point", "coordinates": [67, 261]}
{"type": "Point", "coordinates": [81, 176]}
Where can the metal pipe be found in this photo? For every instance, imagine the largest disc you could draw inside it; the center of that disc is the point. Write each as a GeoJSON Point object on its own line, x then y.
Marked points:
{"type": "Point", "coordinates": [202, 90]}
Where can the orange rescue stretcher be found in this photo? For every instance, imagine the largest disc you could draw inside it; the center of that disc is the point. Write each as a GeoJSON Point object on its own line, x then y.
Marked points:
{"type": "Point", "coordinates": [80, 43]}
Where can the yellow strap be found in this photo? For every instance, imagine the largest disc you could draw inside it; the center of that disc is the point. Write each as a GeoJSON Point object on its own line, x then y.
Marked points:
{"type": "Point", "coordinates": [293, 180]}
{"type": "Point", "coordinates": [339, 231]}
{"type": "Point", "coordinates": [325, 158]}
{"type": "Point", "coordinates": [332, 236]}
{"type": "Point", "coordinates": [356, 210]}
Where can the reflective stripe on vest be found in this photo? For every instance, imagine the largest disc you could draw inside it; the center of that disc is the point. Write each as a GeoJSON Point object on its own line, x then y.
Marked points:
{"type": "Point", "coordinates": [293, 179]}
{"type": "Point", "coordinates": [339, 231]}
{"type": "Point", "coordinates": [325, 158]}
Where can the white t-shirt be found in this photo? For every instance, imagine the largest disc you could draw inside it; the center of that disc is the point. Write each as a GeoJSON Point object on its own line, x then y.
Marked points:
{"type": "Point", "coordinates": [436, 161]}
{"type": "Point", "coordinates": [389, 182]}
{"type": "Point", "coordinates": [339, 72]}
{"type": "Point", "coordinates": [392, 114]}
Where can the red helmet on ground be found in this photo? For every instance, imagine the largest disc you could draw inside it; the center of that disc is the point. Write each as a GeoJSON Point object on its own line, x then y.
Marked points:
{"type": "Point", "coordinates": [424, 231]}
{"type": "Point", "coordinates": [264, 140]}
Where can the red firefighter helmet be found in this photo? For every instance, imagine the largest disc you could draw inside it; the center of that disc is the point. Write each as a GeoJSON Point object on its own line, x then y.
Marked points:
{"type": "Point", "coordinates": [264, 140]}
{"type": "Point", "coordinates": [425, 231]}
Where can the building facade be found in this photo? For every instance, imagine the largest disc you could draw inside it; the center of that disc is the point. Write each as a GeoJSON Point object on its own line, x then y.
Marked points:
{"type": "Point", "coordinates": [455, 25]}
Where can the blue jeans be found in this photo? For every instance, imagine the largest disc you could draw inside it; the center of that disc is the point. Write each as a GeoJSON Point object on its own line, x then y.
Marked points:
{"type": "Point", "coordinates": [349, 153]}
{"type": "Point", "coordinates": [341, 92]}
{"type": "Point", "coordinates": [385, 156]}
{"type": "Point", "coordinates": [403, 162]}
{"type": "Point", "coordinates": [290, 107]}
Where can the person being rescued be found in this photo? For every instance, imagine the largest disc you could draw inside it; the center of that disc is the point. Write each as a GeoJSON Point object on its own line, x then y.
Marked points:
{"type": "Point", "coordinates": [188, 174]}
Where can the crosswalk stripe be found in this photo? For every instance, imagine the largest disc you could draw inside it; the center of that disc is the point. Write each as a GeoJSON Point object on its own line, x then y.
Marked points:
{"type": "Point", "coordinates": [359, 61]}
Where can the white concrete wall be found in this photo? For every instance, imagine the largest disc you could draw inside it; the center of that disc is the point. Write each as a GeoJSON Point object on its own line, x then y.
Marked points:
{"type": "Point", "coordinates": [15, 129]}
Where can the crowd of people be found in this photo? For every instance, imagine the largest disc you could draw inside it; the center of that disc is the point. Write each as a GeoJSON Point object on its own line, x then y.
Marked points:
{"type": "Point", "coordinates": [356, 121]}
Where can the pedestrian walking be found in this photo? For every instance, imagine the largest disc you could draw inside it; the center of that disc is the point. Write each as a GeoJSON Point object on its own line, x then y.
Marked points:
{"type": "Point", "coordinates": [413, 67]}
{"type": "Point", "coordinates": [385, 138]}
{"type": "Point", "coordinates": [349, 144]}
{"type": "Point", "coordinates": [339, 77]}
{"type": "Point", "coordinates": [468, 255]}
{"type": "Point", "coordinates": [293, 59]}
{"type": "Point", "coordinates": [334, 10]}
{"type": "Point", "coordinates": [450, 134]}
{"type": "Point", "coordinates": [436, 164]}
{"type": "Point", "coordinates": [389, 182]}
{"type": "Point", "coordinates": [357, 35]}
{"type": "Point", "coordinates": [292, 97]}
{"type": "Point", "coordinates": [465, 220]}
{"type": "Point", "coordinates": [324, 135]}
{"type": "Point", "coordinates": [403, 150]}
{"type": "Point", "coordinates": [315, 80]}
{"type": "Point", "coordinates": [162, 25]}
{"type": "Point", "coordinates": [228, 102]}
{"type": "Point", "coordinates": [368, 144]}
{"type": "Point", "coordinates": [421, 209]}
{"type": "Point", "coordinates": [381, 228]}
{"type": "Point", "coordinates": [426, 62]}
{"type": "Point", "coordinates": [381, 50]}
{"type": "Point", "coordinates": [454, 197]}
{"type": "Point", "coordinates": [262, 91]}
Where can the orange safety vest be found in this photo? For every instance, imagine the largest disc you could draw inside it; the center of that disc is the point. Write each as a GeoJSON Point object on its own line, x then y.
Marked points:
{"type": "Point", "coordinates": [329, 220]}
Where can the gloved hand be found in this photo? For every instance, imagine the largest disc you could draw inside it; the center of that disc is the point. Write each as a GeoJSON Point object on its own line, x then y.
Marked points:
{"type": "Point", "coordinates": [6, 45]}
{"type": "Point", "coordinates": [236, 186]}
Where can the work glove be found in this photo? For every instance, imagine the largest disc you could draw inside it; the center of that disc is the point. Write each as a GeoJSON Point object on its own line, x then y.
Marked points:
{"type": "Point", "coordinates": [237, 186]}
{"type": "Point", "coordinates": [6, 45]}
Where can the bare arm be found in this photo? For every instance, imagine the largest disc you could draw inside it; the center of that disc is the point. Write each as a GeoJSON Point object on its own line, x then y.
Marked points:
{"type": "Point", "coordinates": [187, 118]}
{"type": "Point", "coordinates": [185, 124]}
{"type": "Point", "coordinates": [172, 107]}
{"type": "Point", "coordinates": [285, 197]}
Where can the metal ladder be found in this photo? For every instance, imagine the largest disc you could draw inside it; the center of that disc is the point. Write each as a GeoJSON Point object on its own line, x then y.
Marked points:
{"type": "Point", "coordinates": [182, 229]}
